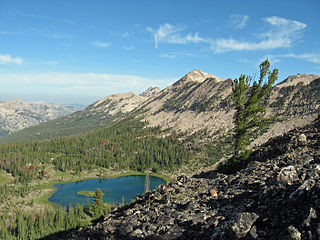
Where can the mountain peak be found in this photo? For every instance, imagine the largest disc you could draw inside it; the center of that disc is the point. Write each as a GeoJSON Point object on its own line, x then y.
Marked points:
{"type": "Point", "coordinates": [150, 92]}
{"type": "Point", "coordinates": [197, 75]}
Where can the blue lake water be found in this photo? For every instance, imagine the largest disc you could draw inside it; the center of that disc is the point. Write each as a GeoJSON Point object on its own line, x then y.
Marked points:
{"type": "Point", "coordinates": [114, 189]}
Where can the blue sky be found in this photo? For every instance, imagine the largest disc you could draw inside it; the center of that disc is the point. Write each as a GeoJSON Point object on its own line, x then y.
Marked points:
{"type": "Point", "coordinates": [79, 51]}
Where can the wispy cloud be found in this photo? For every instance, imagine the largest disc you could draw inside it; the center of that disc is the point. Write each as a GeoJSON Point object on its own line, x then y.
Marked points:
{"type": "Point", "coordinates": [168, 33]}
{"type": "Point", "coordinates": [100, 44]}
{"type": "Point", "coordinates": [47, 34]}
{"type": "Point", "coordinates": [8, 59]}
{"type": "Point", "coordinates": [9, 33]}
{"type": "Point", "coordinates": [309, 57]}
{"type": "Point", "coordinates": [282, 34]}
{"type": "Point", "coordinates": [174, 55]}
{"type": "Point", "coordinates": [17, 12]}
{"type": "Point", "coordinates": [239, 21]}
{"type": "Point", "coordinates": [38, 32]}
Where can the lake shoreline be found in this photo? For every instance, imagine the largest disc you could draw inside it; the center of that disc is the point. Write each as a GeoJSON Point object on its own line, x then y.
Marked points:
{"type": "Point", "coordinates": [44, 199]}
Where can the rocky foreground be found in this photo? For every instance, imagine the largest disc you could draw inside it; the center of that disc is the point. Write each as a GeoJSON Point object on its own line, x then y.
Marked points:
{"type": "Point", "coordinates": [277, 196]}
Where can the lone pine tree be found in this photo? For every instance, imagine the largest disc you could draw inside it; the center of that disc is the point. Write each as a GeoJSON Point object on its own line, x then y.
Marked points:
{"type": "Point", "coordinates": [251, 100]}
{"type": "Point", "coordinates": [251, 103]}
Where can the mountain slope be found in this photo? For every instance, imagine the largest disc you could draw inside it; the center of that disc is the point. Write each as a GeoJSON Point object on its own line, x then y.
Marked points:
{"type": "Point", "coordinates": [97, 115]}
{"type": "Point", "coordinates": [16, 114]}
{"type": "Point", "coordinates": [198, 102]}
{"type": "Point", "coordinates": [276, 197]}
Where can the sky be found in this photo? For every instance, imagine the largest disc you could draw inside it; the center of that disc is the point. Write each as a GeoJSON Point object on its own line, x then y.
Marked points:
{"type": "Point", "coordinates": [79, 51]}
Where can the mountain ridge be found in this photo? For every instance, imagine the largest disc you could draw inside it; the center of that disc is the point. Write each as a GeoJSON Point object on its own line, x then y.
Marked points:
{"type": "Point", "coordinates": [97, 115]}
{"type": "Point", "coordinates": [17, 114]}
{"type": "Point", "coordinates": [198, 101]}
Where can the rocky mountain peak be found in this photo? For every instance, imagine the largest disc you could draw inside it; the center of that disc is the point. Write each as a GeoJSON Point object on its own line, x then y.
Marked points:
{"type": "Point", "coordinates": [197, 76]}
{"type": "Point", "coordinates": [295, 79]}
{"type": "Point", "coordinates": [117, 104]}
{"type": "Point", "coordinates": [150, 92]}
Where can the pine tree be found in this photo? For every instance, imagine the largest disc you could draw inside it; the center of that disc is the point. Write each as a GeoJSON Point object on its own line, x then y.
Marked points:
{"type": "Point", "coordinates": [97, 204]}
{"type": "Point", "coordinates": [251, 103]}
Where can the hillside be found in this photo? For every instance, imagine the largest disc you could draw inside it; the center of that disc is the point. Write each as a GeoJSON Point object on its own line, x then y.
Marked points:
{"type": "Point", "coordinates": [97, 115]}
{"type": "Point", "coordinates": [197, 105]}
{"type": "Point", "coordinates": [201, 101]}
{"type": "Point", "coordinates": [126, 142]}
{"type": "Point", "coordinates": [275, 197]}
{"type": "Point", "coordinates": [16, 114]}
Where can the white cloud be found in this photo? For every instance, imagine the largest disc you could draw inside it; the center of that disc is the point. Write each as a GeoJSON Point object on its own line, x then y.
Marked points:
{"type": "Point", "coordinates": [168, 33]}
{"type": "Point", "coordinates": [24, 14]}
{"type": "Point", "coordinates": [100, 44]}
{"type": "Point", "coordinates": [239, 21]}
{"type": "Point", "coordinates": [174, 55]}
{"type": "Point", "coordinates": [7, 59]}
{"type": "Point", "coordinates": [309, 57]}
{"type": "Point", "coordinates": [282, 34]}
{"type": "Point", "coordinates": [283, 28]}
{"type": "Point", "coordinates": [9, 33]}
{"type": "Point", "coordinates": [45, 33]}
{"type": "Point", "coordinates": [38, 32]}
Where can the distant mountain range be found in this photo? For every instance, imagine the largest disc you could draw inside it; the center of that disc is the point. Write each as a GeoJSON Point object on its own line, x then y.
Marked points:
{"type": "Point", "coordinates": [16, 114]}
{"type": "Point", "coordinates": [197, 102]}
{"type": "Point", "coordinates": [97, 115]}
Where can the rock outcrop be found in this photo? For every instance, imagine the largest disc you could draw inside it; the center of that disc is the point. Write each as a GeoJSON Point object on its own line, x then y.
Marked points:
{"type": "Point", "coordinates": [276, 196]}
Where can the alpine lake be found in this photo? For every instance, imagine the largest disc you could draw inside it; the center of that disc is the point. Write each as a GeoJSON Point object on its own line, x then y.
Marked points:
{"type": "Point", "coordinates": [116, 190]}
